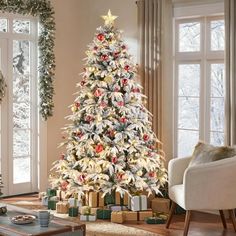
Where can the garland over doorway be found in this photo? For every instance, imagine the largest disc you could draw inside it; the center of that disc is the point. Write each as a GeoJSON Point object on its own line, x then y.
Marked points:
{"type": "Point", "coordinates": [44, 11]}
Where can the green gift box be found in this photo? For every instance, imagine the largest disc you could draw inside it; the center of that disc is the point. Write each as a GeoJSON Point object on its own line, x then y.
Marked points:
{"type": "Point", "coordinates": [73, 211]}
{"type": "Point", "coordinates": [104, 214]}
{"type": "Point", "coordinates": [52, 204]}
{"type": "Point", "coordinates": [155, 220]}
{"type": "Point", "coordinates": [51, 192]}
{"type": "Point", "coordinates": [110, 198]}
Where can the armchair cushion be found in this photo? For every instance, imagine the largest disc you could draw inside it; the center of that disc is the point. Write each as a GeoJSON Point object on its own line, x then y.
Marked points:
{"type": "Point", "coordinates": [205, 153]}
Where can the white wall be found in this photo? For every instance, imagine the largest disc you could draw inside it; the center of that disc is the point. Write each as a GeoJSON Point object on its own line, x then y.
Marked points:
{"type": "Point", "coordinates": [76, 23]}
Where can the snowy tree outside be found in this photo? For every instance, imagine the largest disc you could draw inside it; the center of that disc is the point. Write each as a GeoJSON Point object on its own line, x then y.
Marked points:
{"type": "Point", "coordinates": [190, 82]}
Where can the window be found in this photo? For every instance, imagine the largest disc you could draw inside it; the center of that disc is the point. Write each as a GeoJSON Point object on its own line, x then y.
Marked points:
{"type": "Point", "coordinates": [199, 82]}
{"type": "Point", "coordinates": [19, 128]}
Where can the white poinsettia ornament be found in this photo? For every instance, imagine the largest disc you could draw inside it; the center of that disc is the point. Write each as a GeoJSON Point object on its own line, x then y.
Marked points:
{"type": "Point", "coordinates": [110, 144]}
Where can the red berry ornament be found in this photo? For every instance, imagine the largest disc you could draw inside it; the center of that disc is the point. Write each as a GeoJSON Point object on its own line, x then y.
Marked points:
{"type": "Point", "coordinates": [114, 160]}
{"type": "Point", "coordinates": [100, 37]}
{"type": "Point", "coordinates": [99, 148]}
{"type": "Point", "coordinates": [97, 93]}
{"type": "Point", "coordinates": [64, 185]}
{"type": "Point", "coordinates": [123, 120]}
{"type": "Point", "coordinates": [120, 104]}
{"type": "Point", "coordinates": [125, 81]}
{"type": "Point", "coordinates": [145, 137]}
{"type": "Point", "coordinates": [152, 174]}
{"type": "Point", "coordinates": [127, 67]}
{"type": "Point", "coordinates": [104, 57]}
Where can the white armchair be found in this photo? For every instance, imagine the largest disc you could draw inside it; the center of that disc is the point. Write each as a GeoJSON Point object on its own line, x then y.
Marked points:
{"type": "Point", "coordinates": [209, 186]}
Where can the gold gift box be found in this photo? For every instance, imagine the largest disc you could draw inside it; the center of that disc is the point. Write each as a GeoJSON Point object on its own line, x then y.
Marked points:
{"type": "Point", "coordinates": [95, 199]}
{"type": "Point", "coordinates": [144, 214]}
{"type": "Point", "coordinates": [62, 207]}
{"type": "Point", "coordinates": [117, 217]}
{"type": "Point", "coordinates": [125, 199]}
{"type": "Point", "coordinates": [160, 205]}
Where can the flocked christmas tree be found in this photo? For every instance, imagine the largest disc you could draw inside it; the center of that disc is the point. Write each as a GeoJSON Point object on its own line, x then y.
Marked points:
{"type": "Point", "coordinates": [110, 144]}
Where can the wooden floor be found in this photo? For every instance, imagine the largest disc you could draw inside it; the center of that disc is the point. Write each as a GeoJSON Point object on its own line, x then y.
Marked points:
{"type": "Point", "coordinates": [202, 224]}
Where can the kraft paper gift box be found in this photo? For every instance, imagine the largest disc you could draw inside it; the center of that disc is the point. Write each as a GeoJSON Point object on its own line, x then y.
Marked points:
{"type": "Point", "coordinates": [61, 195]}
{"type": "Point", "coordinates": [130, 215]}
{"type": "Point", "coordinates": [103, 214]}
{"type": "Point", "coordinates": [117, 217]}
{"type": "Point", "coordinates": [44, 201]}
{"type": "Point", "coordinates": [142, 215]}
{"type": "Point", "coordinates": [121, 200]}
{"type": "Point", "coordinates": [62, 207]}
{"type": "Point", "coordinates": [85, 210]}
{"type": "Point", "coordinates": [74, 202]}
{"type": "Point", "coordinates": [51, 192]}
{"type": "Point", "coordinates": [88, 218]}
{"type": "Point", "coordinates": [73, 211]}
{"type": "Point", "coordinates": [160, 205]}
{"type": "Point", "coordinates": [138, 203]}
{"type": "Point", "coordinates": [95, 199]}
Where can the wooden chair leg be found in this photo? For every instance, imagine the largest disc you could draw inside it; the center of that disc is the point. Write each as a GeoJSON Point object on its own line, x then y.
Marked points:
{"type": "Point", "coordinates": [172, 209]}
{"type": "Point", "coordinates": [187, 222]}
{"type": "Point", "coordinates": [232, 217]}
{"type": "Point", "coordinates": [222, 216]}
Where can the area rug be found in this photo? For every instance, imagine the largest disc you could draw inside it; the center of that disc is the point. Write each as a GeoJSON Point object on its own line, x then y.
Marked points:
{"type": "Point", "coordinates": [98, 228]}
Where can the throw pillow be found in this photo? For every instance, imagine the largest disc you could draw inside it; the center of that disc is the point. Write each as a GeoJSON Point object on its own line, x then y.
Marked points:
{"type": "Point", "coordinates": [205, 153]}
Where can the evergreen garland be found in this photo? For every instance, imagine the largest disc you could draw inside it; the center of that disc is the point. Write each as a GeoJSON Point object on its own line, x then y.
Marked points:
{"type": "Point", "coordinates": [3, 86]}
{"type": "Point", "coordinates": [45, 12]}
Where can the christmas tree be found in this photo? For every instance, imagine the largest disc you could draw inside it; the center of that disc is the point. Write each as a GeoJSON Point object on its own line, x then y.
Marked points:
{"type": "Point", "coordinates": [110, 145]}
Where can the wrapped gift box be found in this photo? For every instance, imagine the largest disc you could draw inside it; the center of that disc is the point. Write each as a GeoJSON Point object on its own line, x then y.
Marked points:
{"type": "Point", "coordinates": [149, 198]}
{"type": "Point", "coordinates": [88, 217]}
{"type": "Point", "coordinates": [142, 215]}
{"type": "Point", "coordinates": [93, 210]}
{"type": "Point", "coordinates": [51, 192]}
{"type": "Point", "coordinates": [118, 208]}
{"type": "Point", "coordinates": [85, 210]}
{"type": "Point", "coordinates": [62, 207]}
{"type": "Point", "coordinates": [160, 205]}
{"type": "Point", "coordinates": [138, 203]}
{"type": "Point", "coordinates": [103, 214]}
{"type": "Point", "coordinates": [121, 200]}
{"type": "Point", "coordinates": [73, 211]}
{"type": "Point", "coordinates": [74, 202]}
{"type": "Point", "coordinates": [41, 195]}
{"type": "Point", "coordinates": [130, 215]}
{"type": "Point", "coordinates": [117, 217]}
{"type": "Point", "coordinates": [155, 220]}
{"type": "Point", "coordinates": [44, 201]}
{"type": "Point", "coordinates": [61, 195]}
{"type": "Point", "coordinates": [52, 204]}
{"type": "Point", "coordinates": [110, 198]}
{"type": "Point", "coordinates": [95, 199]}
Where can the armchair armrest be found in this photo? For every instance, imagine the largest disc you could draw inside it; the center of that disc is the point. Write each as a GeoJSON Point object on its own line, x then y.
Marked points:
{"type": "Point", "coordinates": [176, 168]}
{"type": "Point", "coordinates": [211, 186]}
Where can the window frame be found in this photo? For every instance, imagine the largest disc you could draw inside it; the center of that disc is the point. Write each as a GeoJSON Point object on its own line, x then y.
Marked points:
{"type": "Point", "coordinates": [38, 138]}
{"type": "Point", "coordinates": [205, 57]}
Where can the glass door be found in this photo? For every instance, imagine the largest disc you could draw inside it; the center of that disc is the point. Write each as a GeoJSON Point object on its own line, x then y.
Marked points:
{"type": "Point", "coordinates": [19, 110]}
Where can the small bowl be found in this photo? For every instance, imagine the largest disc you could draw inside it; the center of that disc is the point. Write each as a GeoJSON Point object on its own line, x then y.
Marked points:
{"type": "Point", "coordinates": [3, 210]}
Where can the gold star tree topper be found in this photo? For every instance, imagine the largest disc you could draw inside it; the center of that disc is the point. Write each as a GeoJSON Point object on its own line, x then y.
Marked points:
{"type": "Point", "coordinates": [109, 18]}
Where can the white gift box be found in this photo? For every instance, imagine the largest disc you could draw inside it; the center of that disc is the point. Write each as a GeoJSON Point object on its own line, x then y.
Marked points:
{"type": "Point", "coordinates": [138, 203]}
{"type": "Point", "coordinates": [88, 217]}
{"type": "Point", "coordinates": [73, 202]}
{"type": "Point", "coordinates": [44, 200]}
